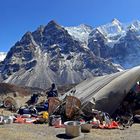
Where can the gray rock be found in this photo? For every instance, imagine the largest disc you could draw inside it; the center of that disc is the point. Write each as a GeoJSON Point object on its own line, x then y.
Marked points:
{"type": "Point", "coordinates": [51, 54]}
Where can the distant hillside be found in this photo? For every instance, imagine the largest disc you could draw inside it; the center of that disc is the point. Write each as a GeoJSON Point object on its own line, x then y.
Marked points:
{"type": "Point", "coordinates": [10, 89]}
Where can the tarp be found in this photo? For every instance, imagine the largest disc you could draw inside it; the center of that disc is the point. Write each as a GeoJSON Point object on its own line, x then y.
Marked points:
{"type": "Point", "coordinates": [108, 91]}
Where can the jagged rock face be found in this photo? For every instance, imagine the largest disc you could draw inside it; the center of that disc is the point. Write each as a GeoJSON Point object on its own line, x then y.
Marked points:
{"type": "Point", "coordinates": [51, 54]}
{"type": "Point", "coordinates": [80, 33]}
{"type": "Point", "coordinates": [55, 34]}
{"type": "Point", "coordinates": [117, 42]}
{"type": "Point", "coordinates": [2, 57]}
{"type": "Point", "coordinates": [126, 45]}
{"type": "Point", "coordinates": [20, 57]}
{"type": "Point", "coordinates": [127, 51]}
{"type": "Point", "coordinates": [96, 43]}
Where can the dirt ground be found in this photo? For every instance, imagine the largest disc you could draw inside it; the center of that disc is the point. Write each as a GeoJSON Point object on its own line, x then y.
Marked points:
{"type": "Point", "coordinates": [44, 132]}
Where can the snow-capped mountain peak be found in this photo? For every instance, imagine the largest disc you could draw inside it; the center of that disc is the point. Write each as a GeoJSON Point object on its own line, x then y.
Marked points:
{"type": "Point", "coordinates": [111, 29]}
{"type": "Point", "coordinates": [116, 22]}
{"type": "Point", "coordinates": [80, 32]}
{"type": "Point", "coordinates": [2, 55]}
{"type": "Point", "coordinates": [135, 25]}
{"type": "Point", "coordinates": [132, 27]}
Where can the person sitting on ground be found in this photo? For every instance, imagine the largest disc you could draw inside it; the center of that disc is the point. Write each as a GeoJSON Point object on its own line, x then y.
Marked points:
{"type": "Point", "coordinates": [53, 91]}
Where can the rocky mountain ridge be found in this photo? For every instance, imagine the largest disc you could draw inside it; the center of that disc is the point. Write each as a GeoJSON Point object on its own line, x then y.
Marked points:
{"type": "Point", "coordinates": [115, 41]}
{"type": "Point", "coordinates": [68, 55]}
{"type": "Point", "coordinates": [51, 54]}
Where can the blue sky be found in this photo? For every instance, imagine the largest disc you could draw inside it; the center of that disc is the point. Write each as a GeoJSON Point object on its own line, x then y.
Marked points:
{"type": "Point", "coordinates": [19, 16]}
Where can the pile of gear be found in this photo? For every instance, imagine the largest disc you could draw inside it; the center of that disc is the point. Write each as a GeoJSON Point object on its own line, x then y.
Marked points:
{"type": "Point", "coordinates": [56, 112]}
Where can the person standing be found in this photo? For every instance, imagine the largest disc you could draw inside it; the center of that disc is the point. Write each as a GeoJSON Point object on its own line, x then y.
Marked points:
{"type": "Point", "coordinates": [53, 91]}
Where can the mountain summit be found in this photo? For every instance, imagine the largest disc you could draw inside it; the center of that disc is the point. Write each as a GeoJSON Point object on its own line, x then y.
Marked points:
{"type": "Point", "coordinates": [67, 55]}
{"type": "Point", "coordinates": [52, 54]}
{"type": "Point", "coordinates": [116, 21]}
